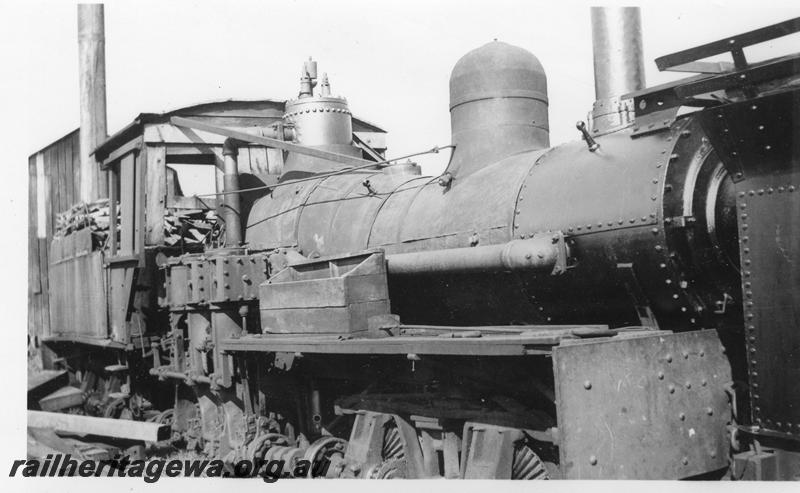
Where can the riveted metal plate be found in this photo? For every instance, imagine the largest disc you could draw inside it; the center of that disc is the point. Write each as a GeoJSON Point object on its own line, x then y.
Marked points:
{"type": "Point", "coordinates": [618, 186]}
{"type": "Point", "coordinates": [651, 407]}
{"type": "Point", "coordinates": [769, 208]}
{"type": "Point", "coordinates": [752, 136]}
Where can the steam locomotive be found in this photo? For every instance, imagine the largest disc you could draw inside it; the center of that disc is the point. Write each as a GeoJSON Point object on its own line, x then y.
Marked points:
{"type": "Point", "coordinates": [620, 306]}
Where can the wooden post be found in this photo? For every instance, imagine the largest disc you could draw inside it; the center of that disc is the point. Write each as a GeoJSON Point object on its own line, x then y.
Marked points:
{"type": "Point", "coordinates": [92, 71]}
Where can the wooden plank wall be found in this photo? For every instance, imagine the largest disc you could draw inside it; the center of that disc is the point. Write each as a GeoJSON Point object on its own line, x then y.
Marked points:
{"type": "Point", "coordinates": [60, 172]}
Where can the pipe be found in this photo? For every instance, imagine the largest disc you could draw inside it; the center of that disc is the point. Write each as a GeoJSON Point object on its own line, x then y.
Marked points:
{"type": "Point", "coordinates": [92, 73]}
{"type": "Point", "coordinates": [618, 56]}
{"type": "Point", "coordinates": [164, 373]}
{"type": "Point", "coordinates": [231, 205]}
{"type": "Point", "coordinates": [544, 253]}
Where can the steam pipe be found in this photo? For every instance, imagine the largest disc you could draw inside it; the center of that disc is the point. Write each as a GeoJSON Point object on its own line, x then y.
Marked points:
{"type": "Point", "coordinates": [92, 74]}
{"type": "Point", "coordinates": [231, 205]}
{"type": "Point", "coordinates": [618, 56]}
{"type": "Point", "coordinates": [545, 253]}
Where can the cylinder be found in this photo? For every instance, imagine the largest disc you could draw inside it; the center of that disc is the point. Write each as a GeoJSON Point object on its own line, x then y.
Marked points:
{"type": "Point", "coordinates": [617, 47]}
{"type": "Point", "coordinates": [92, 73]}
{"type": "Point", "coordinates": [498, 106]}
{"type": "Point", "coordinates": [231, 206]}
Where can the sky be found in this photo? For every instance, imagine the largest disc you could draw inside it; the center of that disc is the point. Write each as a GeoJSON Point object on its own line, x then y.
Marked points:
{"type": "Point", "coordinates": [391, 59]}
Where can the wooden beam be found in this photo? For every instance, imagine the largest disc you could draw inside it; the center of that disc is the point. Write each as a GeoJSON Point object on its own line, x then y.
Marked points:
{"type": "Point", "coordinates": [89, 425]}
{"type": "Point", "coordinates": [134, 145]}
{"type": "Point", "coordinates": [266, 141]}
{"type": "Point", "coordinates": [156, 195]}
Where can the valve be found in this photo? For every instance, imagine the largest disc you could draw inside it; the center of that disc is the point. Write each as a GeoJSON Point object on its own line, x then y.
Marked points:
{"type": "Point", "coordinates": [593, 145]}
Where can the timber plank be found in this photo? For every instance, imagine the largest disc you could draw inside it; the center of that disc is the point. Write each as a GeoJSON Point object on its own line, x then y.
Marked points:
{"type": "Point", "coordinates": [116, 428]}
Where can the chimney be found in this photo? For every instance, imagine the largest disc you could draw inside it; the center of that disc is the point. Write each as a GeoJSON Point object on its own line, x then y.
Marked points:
{"type": "Point", "coordinates": [618, 64]}
{"type": "Point", "coordinates": [92, 72]}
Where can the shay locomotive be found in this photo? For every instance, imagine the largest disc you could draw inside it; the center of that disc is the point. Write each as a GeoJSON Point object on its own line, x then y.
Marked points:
{"type": "Point", "coordinates": [621, 306]}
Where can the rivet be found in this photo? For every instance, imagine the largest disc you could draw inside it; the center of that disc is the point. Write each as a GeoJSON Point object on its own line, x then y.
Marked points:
{"type": "Point", "coordinates": [682, 417]}
{"type": "Point", "coordinates": [587, 385]}
{"type": "Point", "coordinates": [704, 382]}
{"type": "Point", "coordinates": [661, 375]}
{"type": "Point", "coordinates": [688, 385]}
{"type": "Point", "coordinates": [671, 388]}
{"type": "Point", "coordinates": [632, 220]}
{"type": "Point", "coordinates": [685, 461]}
{"type": "Point", "coordinates": [709, 411]}
{"type": "Point", "coordinates": [675, 296]}
{"type": "Point", "coordinates": [659, 248]}
{"type": "Point", "coordinates": [791, 188]}
{"type": "Point", "coordinates": [593, 460]}
{"type": "Point", "coordinates": [668, 281]}
{"type": "Point", "coordinates": [663, 266]}
{"type": "Point", "coordinates": [713, 454]}
{"type": "Point", "coordinates": [685, 355]}
{"type": "Point", "coordinates": [654, 231]}
{"type": "Point", "coordinates": [669, 358]}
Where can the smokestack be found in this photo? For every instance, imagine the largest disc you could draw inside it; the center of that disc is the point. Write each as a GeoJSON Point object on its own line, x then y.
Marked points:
{"type": "Point", "coordinates": [92, 70]}
{"type": "Point", "coordinates": [618, 64]}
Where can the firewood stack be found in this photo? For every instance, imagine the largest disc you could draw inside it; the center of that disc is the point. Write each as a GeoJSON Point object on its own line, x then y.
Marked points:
{"type": "Point", "coordinates": [94, 215]}
{"type": "Point", "coordinates": [190, 227]}
{"type": "Point", "coordinates": [182, 227]}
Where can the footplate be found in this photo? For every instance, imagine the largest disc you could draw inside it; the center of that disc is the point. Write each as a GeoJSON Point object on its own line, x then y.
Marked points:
{"type": "Point", "coordinates": [645, 407]}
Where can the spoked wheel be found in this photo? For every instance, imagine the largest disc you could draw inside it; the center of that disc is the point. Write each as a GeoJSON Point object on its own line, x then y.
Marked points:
{"type": "Point", "coordinates": [390, 469]}
{"type": "Point", "coordinates": [527, 465]}
{"type": "Point", "coordinates": [393, 461]}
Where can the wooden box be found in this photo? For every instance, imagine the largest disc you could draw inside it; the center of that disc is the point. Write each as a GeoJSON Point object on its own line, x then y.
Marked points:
{"type": "Point", "coordinates": [325, 296]}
